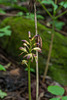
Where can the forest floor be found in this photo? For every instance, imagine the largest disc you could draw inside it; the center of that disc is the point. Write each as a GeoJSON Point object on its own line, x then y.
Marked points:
{"type": "Point", "coordinates": [14, 81]}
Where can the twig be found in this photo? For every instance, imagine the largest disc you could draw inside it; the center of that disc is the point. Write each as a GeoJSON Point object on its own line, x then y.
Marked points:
{"type": "Point", "coordinates": [7, 14]}
{"type": "Point", "coordinates": [59, 31]}
{"type": "Point", "coordinates": [61, 14]}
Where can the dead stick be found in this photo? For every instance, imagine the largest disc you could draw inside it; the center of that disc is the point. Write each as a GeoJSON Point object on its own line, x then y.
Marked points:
{"type": "Point", "coordinates": [7, 14]}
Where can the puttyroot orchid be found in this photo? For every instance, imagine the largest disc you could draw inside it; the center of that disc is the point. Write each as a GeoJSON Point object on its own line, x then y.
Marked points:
{"type": "Point", "coordinates": [29, 50]}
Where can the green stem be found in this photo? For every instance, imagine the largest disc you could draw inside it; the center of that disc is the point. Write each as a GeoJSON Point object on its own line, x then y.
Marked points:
{"type": "Point", "coordinates": [46, 9]}
{"type": "Point", "coordinates": [51, 44]}
{"type": "Point", "coordinates": [53, 24]}
{"type": "Point", "coordinates": [48, 59]}
{"type": "Point", "coordinates": [61, 14]}
{"type": "Point", "coordinates": [56, 10]}
{"type": "Point", "coordinates": [37, 78]}
{"type": "Point", "coordinates": [29, 80]}
{"type": "Point", "coordinates": [55, 1]}
{"type": "Point", "coordinates": [50, 50]}
{"type": "Point", "coordinates": [60, 7]}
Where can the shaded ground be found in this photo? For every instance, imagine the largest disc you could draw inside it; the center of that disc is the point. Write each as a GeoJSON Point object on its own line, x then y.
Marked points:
{"type": "Point", "coordinates": [14, 81]}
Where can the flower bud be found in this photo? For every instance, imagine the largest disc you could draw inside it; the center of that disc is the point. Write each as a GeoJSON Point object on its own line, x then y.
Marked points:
{"type": "Point", "coordinates": [29, 34]}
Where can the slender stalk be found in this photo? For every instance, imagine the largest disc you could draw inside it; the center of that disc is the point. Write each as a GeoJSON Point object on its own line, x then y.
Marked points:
{"type": "Point", "coordinates": [49, 54]}
{"type": "Point", "coordinates": [48, 60]}
{"type": "Point", "coordinates": [60, 7]}
{"type": "Point", "coordinates": [29, 78]}
{"type": "Point", "coordinates": [37, 78]}
{"type": "Point", "coordinates": [55, 1]}
{"type": "Point", "coordinates": [46, 9]}
{"type": "Point", "coordinates": [37, 73]}
{"type": "Point", "coordinates": [29, 81]}
{"type": "Point", "coordinates": [51, 44]}
{"type": "Point", "coordinates": [61, 14]}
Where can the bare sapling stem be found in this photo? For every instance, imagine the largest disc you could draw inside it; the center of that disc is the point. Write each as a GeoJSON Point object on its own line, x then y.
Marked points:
{"type": "Point", "coordinates": [48, 59]}
{"type": "Point", "coordinates": [51, 44]}
{"type": "Point", "coordinates": [37, 72]}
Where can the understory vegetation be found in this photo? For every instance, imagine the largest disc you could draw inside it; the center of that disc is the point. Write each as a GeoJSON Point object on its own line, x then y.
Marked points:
{"type": "Point", "coordinates": [39, 29]}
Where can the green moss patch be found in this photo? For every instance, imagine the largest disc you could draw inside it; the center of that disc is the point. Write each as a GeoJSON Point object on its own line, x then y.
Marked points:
{"type": "Point", "coordinates": [20, 28]}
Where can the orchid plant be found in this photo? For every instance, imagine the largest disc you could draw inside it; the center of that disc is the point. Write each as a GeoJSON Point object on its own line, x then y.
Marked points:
{"type": "Point", "coordinates": [28, 49]}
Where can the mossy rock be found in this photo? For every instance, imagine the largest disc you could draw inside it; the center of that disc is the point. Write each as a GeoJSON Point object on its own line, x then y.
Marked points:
{"type": "Point", "coordinates": [20, 28]}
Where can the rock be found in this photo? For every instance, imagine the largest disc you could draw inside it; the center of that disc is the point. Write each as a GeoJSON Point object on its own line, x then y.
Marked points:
{"type": "Point", "coordinates": [20, 28]}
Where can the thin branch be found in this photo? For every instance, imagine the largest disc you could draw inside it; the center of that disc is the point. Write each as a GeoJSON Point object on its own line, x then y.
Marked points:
{"type": "Point", "coordinates": [7, 14]}
{"type": "Point", "coordinates": [59, 31]}
{"type": "Point", "coordinates": [51, 44]}
{"type": "Point", "coordinates": [46, 9]}
{"type": "Point", "coordinates": [60, 7]}
{"type": "Point", "coordinates": [48, 60]}
{"type": "Point", "coordinates": [61, 14]}
{"type": "Point", "coordinates": [55, 1]}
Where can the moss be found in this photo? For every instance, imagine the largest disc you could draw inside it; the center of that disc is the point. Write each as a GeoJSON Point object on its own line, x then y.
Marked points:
{"type": "Point", "coordinates": [20, 28]}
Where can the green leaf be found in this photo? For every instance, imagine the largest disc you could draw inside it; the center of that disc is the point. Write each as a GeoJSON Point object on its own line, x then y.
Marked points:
{"type": "Point", "coordinates": [50, 2]}
{"type": "Point", "coordinates": [64, 98]}
{"type": "Point", "coordinates": [14, 0]}
{"type": "Point", "coordinates": [5, 31]}
{"type": "Point", "coordinates": [2, 94]}
{"type": "Point", "coordinates": [20, 14]}
{"type": "Point", "coordinates": [40, 17]}
{"type": "Point", "coordinates": [2, 68]}
{"type": "Point", "coordinates": [64, 4]}
{"type": "Point", "coordinates": [58, 24]}
{"type": "Point", "coordinates": [2, 11]}
{"type": "Point", "coordinates": [29, 16]}
{"type": "Point", "coordinates": [31, 69]}
{"type": "Point", "coordinates": [1, 34]}
{"type": "Point", "coordinates": [47, 2]}
{"type": "Point", "coordinates": [55, 6]}
{"type": "Point", "coordinates": [56, 90]}
{"type": "Point", "coordinates": [26, 69]}
{"type": "Point", "coordinates": [55, 99]}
